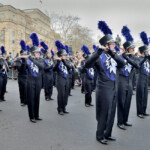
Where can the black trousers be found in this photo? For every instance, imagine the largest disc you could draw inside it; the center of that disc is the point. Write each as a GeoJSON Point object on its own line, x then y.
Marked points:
{"type": "Point", "coordinates": [22, 82]}
{"type": "Point", "coordinates": [105, 109]}
{"type": "Point", "coordinates": [141, 94]}
{"type": "Point", "coordinates": [48, 84]}
{"type": "Point", "coordinates": [69, 83]}
{"type": "Point", "coordinates": [5, 82]}
{"type": "Point", "coordinates": [2, 87]}
{"type": "Point", "coordinates": [111, 117]}
{"type": "Point", "coordinates": [124, 96]}
{"type": "Point", "coordinates": [73, 80]}
{"type": "Point", "coordinates": [94, 81]}
{"type": "Point", "coordinates": [82, 86]}
{"type": "Point", "coordinates": [54, 78]}
{"type": "Point", "coordinates": [62, 97]}
{"type": "Point", "coordinates": [33, 96]}
{"type": "Point", "coordinates": [88, 87]}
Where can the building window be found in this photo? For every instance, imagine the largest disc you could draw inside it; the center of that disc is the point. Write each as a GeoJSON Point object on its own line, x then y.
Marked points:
{"type": "Point", "coordinates": [12, 18]}
{"type": "Point", "coordinates": [2, 35]}
{"type": "Point", "coordinates": [20, 35]}
{"type": "Point", "coordinates": [13, 37]}
{"type": "Point", "coordinates": [2, 16]}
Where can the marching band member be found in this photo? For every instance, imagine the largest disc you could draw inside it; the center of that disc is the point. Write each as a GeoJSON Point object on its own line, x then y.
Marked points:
{"type": "Point", "coordinates": [88, 77]}
{"type": "Point", "coordinates": [48, 72]}
{"type": "Point", "coordinates": [106, 62]}
{"type": "Point", "coordinates": [61, 67]}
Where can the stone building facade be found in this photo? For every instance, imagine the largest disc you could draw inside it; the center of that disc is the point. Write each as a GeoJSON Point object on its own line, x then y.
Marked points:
{"type": "Point", "coordinates": [16, 24]}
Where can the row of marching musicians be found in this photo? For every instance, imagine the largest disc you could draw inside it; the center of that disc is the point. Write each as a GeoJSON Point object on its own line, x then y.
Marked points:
{"type": "Point", "coordinates": [115, 75]}
{"type": "Point", "coordinates": [33, 71]}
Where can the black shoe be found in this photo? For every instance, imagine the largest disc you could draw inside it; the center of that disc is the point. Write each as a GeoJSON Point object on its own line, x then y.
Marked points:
{"type": "Point", "coordinates": [127, 124]}
{"type": "Point", "coordinates": [140, 116]}
{"type": "Point", "coordinates": [91, 104]}
{"type": "Point", "coordinates": [121, 126]}
{"type": "Point", "coordinates": [70, 95]}
{"type": "Point", "coordinates": [82, 92]}
{"type": "Point", "coordinates": [102, 141]}
{"type": "Point", "coordinates": [51, 98]}
{"type": "Point", "coordinates": [65, 112]}
{"type": "Point", "coordinates": [47, 99]}
{"type": "Point", "coordinates": [22, 104]}
{"type": "Point", "coordinates": [145, 114]}
{"type": "Point", "coordinates": [60, 113]}
{"type": "Point", "coordinates": [33, 120]}
{"type": "Point", "coordinates": [39, 119]}
{"type": "Point", "coordinates": [111, 138]}
{"type": "Point", "coordinates": [2, 100]}
{"type": "Point", "coordinates": [87, 105]}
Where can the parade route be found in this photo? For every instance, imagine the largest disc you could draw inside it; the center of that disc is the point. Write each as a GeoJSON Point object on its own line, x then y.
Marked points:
{"type": "Point", "coordinates": [73, 131]}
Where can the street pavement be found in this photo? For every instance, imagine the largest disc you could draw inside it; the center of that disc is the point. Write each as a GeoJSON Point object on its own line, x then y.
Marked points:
{"type": "Point", "coordinates": [74, 131]}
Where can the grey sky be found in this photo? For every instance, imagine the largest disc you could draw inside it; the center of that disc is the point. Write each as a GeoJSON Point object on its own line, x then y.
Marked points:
{"type": "Point", "coordinates": [133, 13]}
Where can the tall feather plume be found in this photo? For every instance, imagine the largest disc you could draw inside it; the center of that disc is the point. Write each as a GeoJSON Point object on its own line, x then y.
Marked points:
{"type": "Point", "coordinates": [144, 38]}
{"type": "Point", "coordinates": [85, 50]}
{"type": "Point", "coordinates": [95, 48]}
{"type": "Point", "coordinates": [23, 45]}
{"type": "Point", "coordinates": [52, 52]}
{"type": "Point", "coordinates": [104, 27]}
{"type": "Point", "coordinates": [59, 45]}
{"type": "Point", "coordinates": [67, 49]}
{"type": "Point", "coordinates": [117, 48]}
{"type": "Point", "coordinates": [3, 50]}
{"type": "Point", "coordinates": [35, 39]}
{"type": "Point", "coordinates": [28, 48]}
{"type": "Point", "coordinates": [43, 50]}
{"type": "Point", "coordinates": [126, 33]}
{"type": "Point", "coordinates": [44, 45]}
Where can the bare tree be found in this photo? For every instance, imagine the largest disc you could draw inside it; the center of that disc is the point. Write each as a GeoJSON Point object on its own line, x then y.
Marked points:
{"type": "Point", "coordinates": [81, 36]}
{"type": "Point", "coordinates": [70, 31]}
{"type": "Point", "coordinates": [63, 24]}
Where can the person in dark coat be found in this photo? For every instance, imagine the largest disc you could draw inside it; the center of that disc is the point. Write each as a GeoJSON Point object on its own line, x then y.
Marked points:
{"type": "Point", "coordinates": [20, 65]}
{"type": "Point", "coordinates": [48, 72]}
{"type": "Point", "coordinates": [34, 67]}
{"type": "Point", "coordinates": [61, 67]}
{"type": "Point", "coordinates": [88, 77]}
{"type": "Point", "coordinates": [3, 73]}
{"type": "Point", "coordinates": [143, 78]}
{"type": "Point", "coordinates": [106, 61]}
{"type": "Point", "coordinates": [70, 70]}
{"type": "Point", "coordinates": [125, 80]}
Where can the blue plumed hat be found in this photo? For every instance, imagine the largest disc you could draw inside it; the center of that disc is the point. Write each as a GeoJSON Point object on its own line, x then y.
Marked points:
{"type": "Point", "coordinates": [45, 47]}
{"type": "Point", "coordinates": [35, 43]}
{"type": "Point", "coordinates": [86, 51]}
{"type": "Point", "coordinates": [107, 32]}
{"type": "Point", "coordinates": [129, 39]}
{"type": "Point", "coordinates": [3, 51]}
{"type": "Point", "coordinates": [28, 48]}
{"type": "Point", "coordinates": [42, 52]}
{"type": "Point", "coordinates": [24, 50]}
{"type": "Point", "coordinates": [117, 48]}
{"type": "Point", "coordinates": [95, 48]}
{"type": "Point", "coordinates": [67, 50]}
{"type": "Point", "coordinates": [52, 52]}
{"type": "Point", "coordinates": [145, 41]}
{"type": "Point", "coordinates": [60, 48]}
